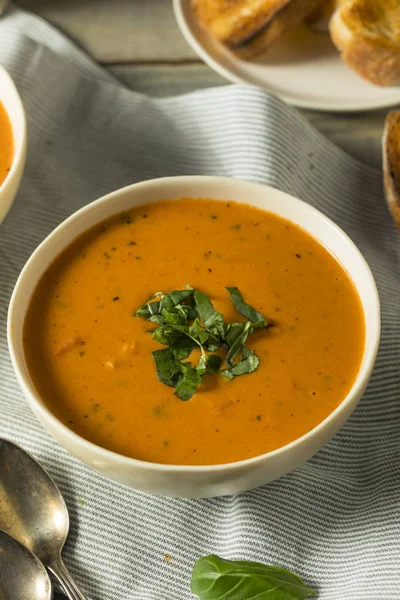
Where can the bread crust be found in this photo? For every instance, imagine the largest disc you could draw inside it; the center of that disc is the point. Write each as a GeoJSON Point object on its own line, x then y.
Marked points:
{"type": "Point", "coordinates": [233, 22]}
{"type": "Point", "coordinates": [367, 33]}
{"type": "Point", "coordinates": [248, 27]}
{"type": "Point", "coordinates": [285, 20]}
{"type": "Point", "coordinates": [391, 164]}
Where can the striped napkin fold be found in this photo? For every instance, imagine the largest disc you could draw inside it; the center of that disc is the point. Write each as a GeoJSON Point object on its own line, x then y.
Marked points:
{"type": "Point", "coordinates": [336, 520]}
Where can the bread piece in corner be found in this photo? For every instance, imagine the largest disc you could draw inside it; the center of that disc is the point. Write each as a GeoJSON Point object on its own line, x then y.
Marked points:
{"type": "Point", "coordinates": [391, 163]}
{"type": "Point", "coordinates": [367, 33]}
{"type": "Point", "coordinates": [248, 27]}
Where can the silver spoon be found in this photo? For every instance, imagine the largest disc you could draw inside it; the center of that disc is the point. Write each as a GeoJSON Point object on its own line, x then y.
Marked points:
{"type": "Point", "coordinates": [33, 511]}
{"type": "Point", "coordinates": [22, 575]}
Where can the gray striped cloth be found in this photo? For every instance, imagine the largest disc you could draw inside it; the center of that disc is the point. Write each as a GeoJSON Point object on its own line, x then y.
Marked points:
{"type": "Point", "coordinates": [336, 520]}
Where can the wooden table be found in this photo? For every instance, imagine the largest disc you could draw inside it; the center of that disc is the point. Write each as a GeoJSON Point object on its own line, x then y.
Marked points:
{"type": "Point", "coordinates": [139, 41]}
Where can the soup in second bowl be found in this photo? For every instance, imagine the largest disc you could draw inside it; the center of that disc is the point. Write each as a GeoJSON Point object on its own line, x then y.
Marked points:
{"type": "Point", "coordinates": [286, 340]}
{"type": "Point", "coordinates": [6, 144]}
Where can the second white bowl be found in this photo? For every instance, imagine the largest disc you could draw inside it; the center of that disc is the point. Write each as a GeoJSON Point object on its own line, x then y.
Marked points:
{"type": "Point", "coordinates": [11, 101]}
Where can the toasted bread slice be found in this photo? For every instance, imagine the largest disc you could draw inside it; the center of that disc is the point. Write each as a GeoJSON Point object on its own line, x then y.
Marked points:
{"type": "Point", "coordinates": [391, 163]}
{"type": "Point", "coordinates": [367, 33]}
{"type": "Point", "coordinates": [233, 22]}
{"type": "Point", "coordinates": [248, 27]}
{"type": "Point", "coordinates": [284, 21]}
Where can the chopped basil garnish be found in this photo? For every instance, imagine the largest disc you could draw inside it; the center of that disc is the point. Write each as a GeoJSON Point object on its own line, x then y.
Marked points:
{"type": "Point", "coordinates": [245, 309]}
{"type": "Point", "coordinates": [187, 319]}
{"type": "Point", "coordinates": [248, 364]}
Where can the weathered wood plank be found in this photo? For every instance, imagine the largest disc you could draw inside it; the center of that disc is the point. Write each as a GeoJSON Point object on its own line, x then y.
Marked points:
{"type": "Point", "coordinates": [167, 80]}
{"type": "Point", "coordinates": [118, 31]}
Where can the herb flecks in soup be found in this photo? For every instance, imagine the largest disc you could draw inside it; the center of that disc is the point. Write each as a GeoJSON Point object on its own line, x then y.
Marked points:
{"type": "Point", "coordinates": [91, 360]}
{"type": "Point", "coordinates": [6, 144]}
{"type": "Point", "coordinates": [187, 320]}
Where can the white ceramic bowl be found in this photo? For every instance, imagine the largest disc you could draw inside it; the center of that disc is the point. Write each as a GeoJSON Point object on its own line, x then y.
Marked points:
{"type": "Point", "coordinates": [11, 101]}
{"type": "Point", "coordinates": [196, 481]}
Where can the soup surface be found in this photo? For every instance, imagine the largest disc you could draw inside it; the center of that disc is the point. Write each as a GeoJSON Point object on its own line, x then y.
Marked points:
{"type": "Point", "coordinates": [6, 144]}
{"type": "Point", "coordinates": [91, 360]}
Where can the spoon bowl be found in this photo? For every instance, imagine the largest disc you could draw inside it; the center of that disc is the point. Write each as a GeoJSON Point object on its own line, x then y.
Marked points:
{"type": "Point", "coordinates": [22, 574]}
{"type": "Point", "coordinates": [33, 511]}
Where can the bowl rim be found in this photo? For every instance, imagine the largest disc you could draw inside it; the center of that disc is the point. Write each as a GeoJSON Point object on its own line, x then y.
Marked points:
{"type": "Point", "coordinates": [19, 141]}
{"type": "Point", "coordinates": [357, 388]}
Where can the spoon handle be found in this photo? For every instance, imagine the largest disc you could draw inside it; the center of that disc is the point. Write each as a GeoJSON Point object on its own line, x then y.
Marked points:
{"type": "Point", "coordinates": [64, 577]}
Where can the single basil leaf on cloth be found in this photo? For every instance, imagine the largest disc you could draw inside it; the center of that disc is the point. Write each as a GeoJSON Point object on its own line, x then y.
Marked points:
{"type": "Point", "coordinates": [248, 364]}
{"type": "Point", "coordinates": [212, 320]}
{"type": "Point", "coordinates": [213, 363]}
{"type": "Point", "coordinates": [168, 368]}
{"type": "Point", "coordinates": [190, 380]}
{"type": "Point", "coordinates": [245, 309]}
{"type": "Point", "coordinates": [215, 578]}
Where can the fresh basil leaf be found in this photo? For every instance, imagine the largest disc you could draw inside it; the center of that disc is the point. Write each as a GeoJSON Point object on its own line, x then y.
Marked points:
{"type": "Point", "coordinates": [148, 309]}
{"type": "Point", "coordinates": [167, 302]}
{"type": "Point", "coordinates": [215, 578]}
{"type": "Point", "coordinates": [248, 364]}
{"type": "Point", "coordinates": [183, 347]}
{"type": "Point", "coordinates": [211, 319]}
{"type": "Point", "coordinates": [260, 325]}
{"type": "Point", "coordinates": [170, 300]}
{"type": "Point", "coordinates": [176, 316]}
{"type": "Point", "coordinates": [168, 369]}
{"type": "Point", "coordinates": [243, 308]}
{"type": "Point", "coordinates": [156, 319]}
{"type": "Point", "coordinates": [213, 363]}
{"type": "Point", "coordinates": [202, 364]}
{"type": "Point", "coordinates": [211, 346]}
{"type": "Point", "coordinates": [166, 334]}
{"type": "Point", "coordinates": [189, 381]}
{"type": "Point", "coordinates": [236, 337]}
{"type": "Point", "coordinates": [197, 332]}
{"type": "Point", "coordinates": [190, 312]}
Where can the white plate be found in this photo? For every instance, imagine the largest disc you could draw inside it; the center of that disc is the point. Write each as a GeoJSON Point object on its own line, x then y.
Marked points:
{"type": "Point", "coordinates": [303, 69]}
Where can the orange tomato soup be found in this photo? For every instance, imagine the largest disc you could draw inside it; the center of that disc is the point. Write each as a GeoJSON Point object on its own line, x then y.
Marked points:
{"type": "Point", "coordinates": [91, 360]}
{"type": "Point", "coordinates": [6, 144]}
